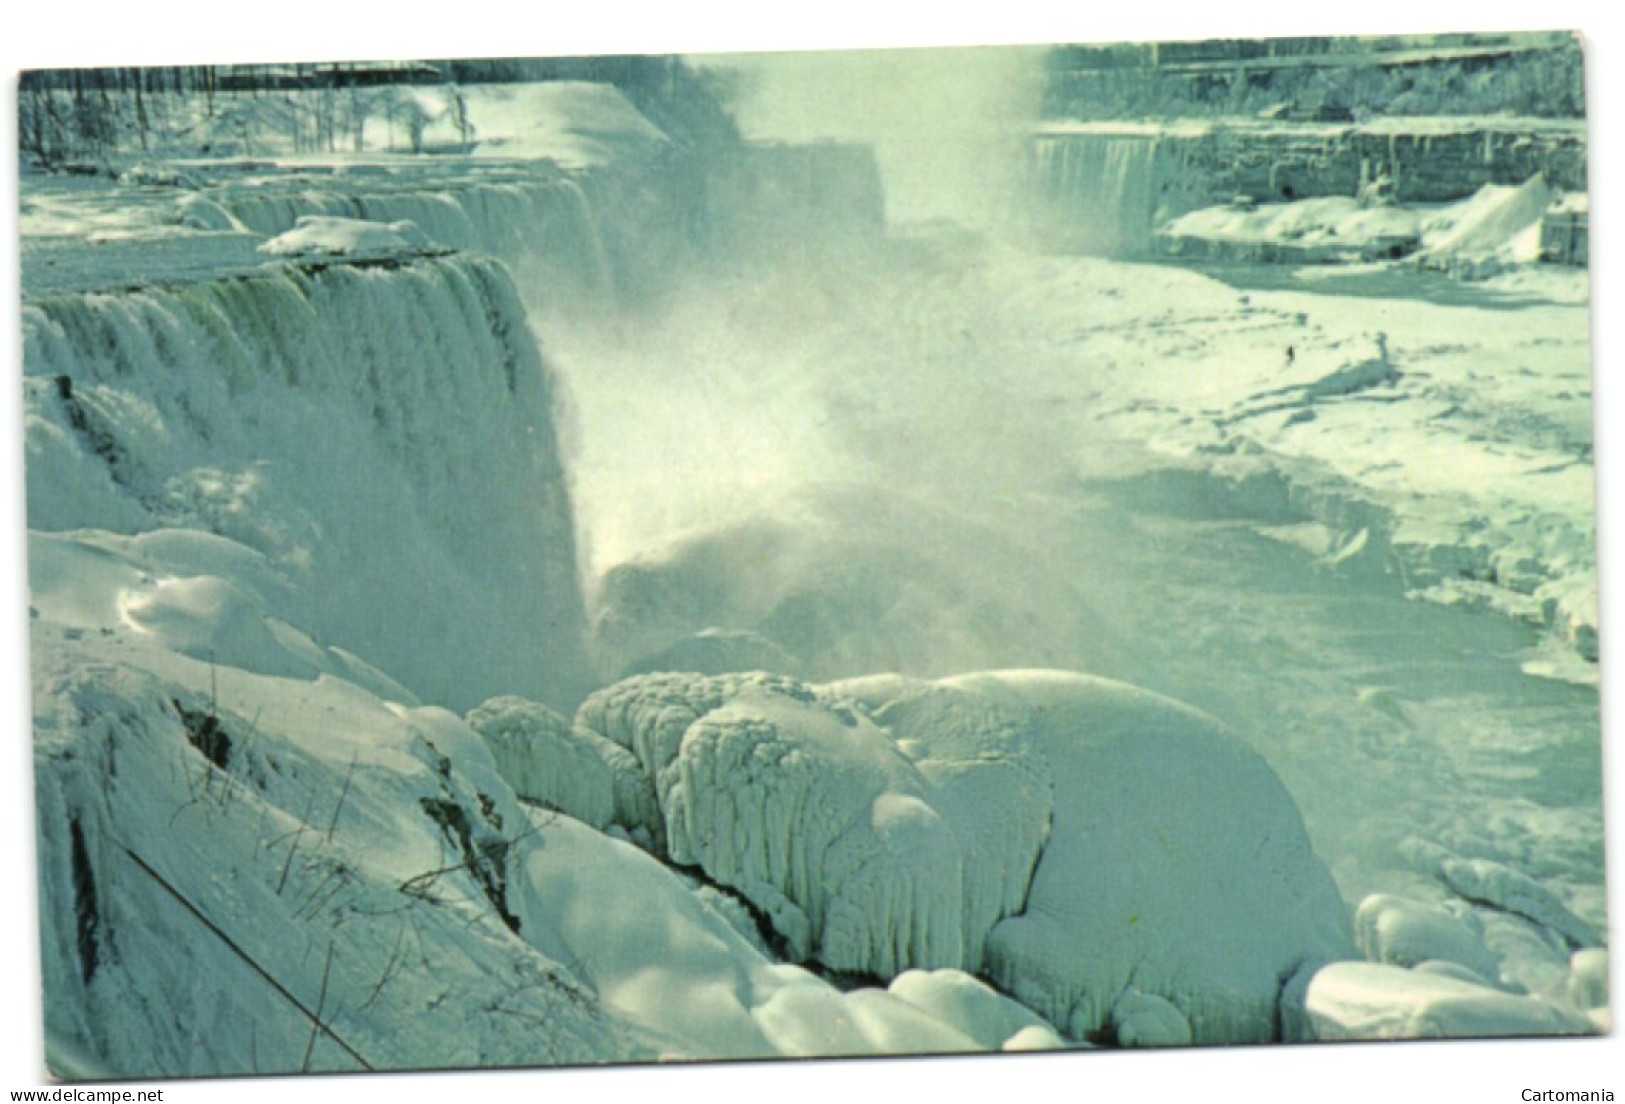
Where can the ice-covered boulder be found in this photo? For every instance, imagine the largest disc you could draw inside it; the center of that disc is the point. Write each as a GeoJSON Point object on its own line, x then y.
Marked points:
{"type": "Point", "coordinates": [1588, 979]}
{"type": "Point", "coordinates": [1499, 886]}
{"type": "Point", "coordinates": [1176, 864]}
{"type": "Point", "coordinates": [809, 811]}
{"type": "Point", "coordinates": [1071, 837]}
{"type": "Point", "coordinates": [1408, 933]}
{"type": "Point", "coordinates": [232, 845]}
{"type": "Point", "coordinates": [326, 235]}
{"type": "Point", "coordinates": [545, 761]}
{"type": "Point", "coordinates": [1362, 1000]}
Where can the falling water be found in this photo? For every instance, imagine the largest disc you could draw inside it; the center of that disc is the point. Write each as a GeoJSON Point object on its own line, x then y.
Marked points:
{"type": "Point", "coordinates": [1098, 193]}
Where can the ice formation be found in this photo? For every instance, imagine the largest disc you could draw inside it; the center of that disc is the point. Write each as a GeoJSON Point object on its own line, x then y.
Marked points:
{"type": "Point", "coordinates": [1071, 837]}
{"type": "Point", "coordinates": [545, 762]}
{"type": "Point", "coordinates": [319, 235]}
{"type": "Point", "coordinates": [1499, 225]}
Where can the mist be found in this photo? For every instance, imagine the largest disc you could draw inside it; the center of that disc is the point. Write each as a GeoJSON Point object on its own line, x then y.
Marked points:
{"type": "Point", "coordinates": [853, 457]}
{"type": "Point", "coordinates": [947, 125]}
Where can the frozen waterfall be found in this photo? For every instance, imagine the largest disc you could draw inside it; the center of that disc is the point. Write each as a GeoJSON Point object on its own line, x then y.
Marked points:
{"type": "Point", "coordinates": [382, 433]}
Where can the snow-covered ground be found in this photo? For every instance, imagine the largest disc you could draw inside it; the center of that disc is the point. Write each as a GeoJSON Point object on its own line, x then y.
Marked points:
{"type": "Point", "coordinates": [300, 489]}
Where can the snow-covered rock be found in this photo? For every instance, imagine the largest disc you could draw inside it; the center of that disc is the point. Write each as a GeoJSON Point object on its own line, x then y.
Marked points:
{"type": "Point", "coordinates": [227, 857]}
{"type": "Point", "coordinates": [1409, 933]}
{"type": "Point", "coordinates": [1499, 886]}
{"type": "Point", "coordinates": [762, 786]}
{"type": "Point", "coordinates": [202, 596]}
{"type": "Point", "coordinates": [1176, 864]}
{"type": "Point", "coordinates": [1588, 979]}
{"type": "Point", "coordinates": [1358, 1000]}
{"type": "Point", "coordinates": [1524, 926]}
{"type": "Point", "coordinates": [324, 235]}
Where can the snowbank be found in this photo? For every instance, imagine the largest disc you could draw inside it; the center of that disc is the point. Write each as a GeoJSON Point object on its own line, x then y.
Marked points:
{"type": "Point", "coordinates": [973, 1007]}
{"type": "Point", "coordinates": [675, 965]}
{"type": "Point", "coordinates": [1332, 228]}
{"type": "Point", "coordinates": [1497, 227]}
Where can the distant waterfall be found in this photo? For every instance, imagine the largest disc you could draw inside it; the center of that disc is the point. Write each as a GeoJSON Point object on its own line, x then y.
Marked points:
{"type": "Point", "coordinates": [382, 433]}
{"type": "Point", "coordinates": [1096, 193]}
{"type": "Point", "coordinates": [548, 223]}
